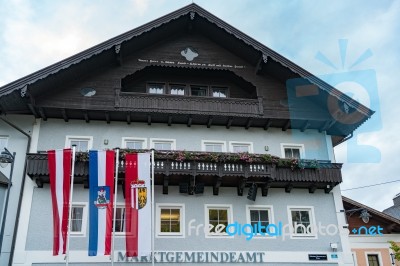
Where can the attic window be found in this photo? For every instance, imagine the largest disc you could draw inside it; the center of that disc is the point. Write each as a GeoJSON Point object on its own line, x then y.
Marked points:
{"type": "Point", "coordinates": [88, 92]}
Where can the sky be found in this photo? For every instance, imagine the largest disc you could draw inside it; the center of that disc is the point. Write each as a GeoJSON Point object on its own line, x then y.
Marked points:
{"type": "Point", "coordinates": [340, 41]}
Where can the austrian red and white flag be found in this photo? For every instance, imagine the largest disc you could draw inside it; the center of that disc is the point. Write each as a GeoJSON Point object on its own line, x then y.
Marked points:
{"type": "Point", "coordinates": [138, 204]}
{"type": "Point", "coordinates": [59, 163]}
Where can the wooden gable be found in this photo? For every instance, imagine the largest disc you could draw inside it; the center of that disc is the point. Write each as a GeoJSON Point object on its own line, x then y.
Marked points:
{"type": "Point", "coordinates": [256, 75]}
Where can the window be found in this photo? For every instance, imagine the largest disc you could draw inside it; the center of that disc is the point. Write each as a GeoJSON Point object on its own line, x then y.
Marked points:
{"type": "Point", "coordinates": [3, 142]}
{"type": "Point", "coordinates": [213, 146]}
{"type": "Point", "coordinates": [219, 92]}
{"type": "Point", "coordinates": [120, 220]}
{"type": "Point", "coordinates": [170, 221]}
{"type": "Point", "coordinates": [302, 221]}
{"type": "Point", "coordinates": [198, 91]}
{"type": "Point", "coordinates": [156, 88]}
{"type": "Point", "coordinates": [78, 219]}
{"type": "Point", "coordinates": [82, 143]}
{"type": "Point", "coordinates": [134, 143]}
{"type": "Point", "coordinates": [177, 89]}
{"type": "Point", "coordinates": [217, 219]}
{"type": "Point", "coordinates": [292, 151]}
{"type": "Point", "coordinates": [241, 146]}
{"type": "Point", "coordinates": [374, 259]}
{"type": "Point", "coordinates": [163, 144]}
{"type": "Point", "coordinates": [260, 214]}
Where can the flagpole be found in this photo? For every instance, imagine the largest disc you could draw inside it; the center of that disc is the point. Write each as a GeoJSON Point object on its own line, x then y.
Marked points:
{"type": "Point", "coordinates": [70, 203]}
{"type": "Point", "coordinates": [152, 206]}
{"type": "Point", "coordinates": [115, 205]}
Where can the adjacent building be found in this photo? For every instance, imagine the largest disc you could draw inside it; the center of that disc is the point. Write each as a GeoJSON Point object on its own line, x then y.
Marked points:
{"type": "Point", "coordinates": [394, 211]}
{"type": "Point", "coordinates": [241, 135]}
{"type": "Point", "coordinates": [370, 232]}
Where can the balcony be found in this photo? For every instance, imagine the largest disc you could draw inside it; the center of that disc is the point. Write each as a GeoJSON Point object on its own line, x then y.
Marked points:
{"type": "Point", "coordinates": [178, 104]}
{"type": "Point", "coordinates": [215, 170]}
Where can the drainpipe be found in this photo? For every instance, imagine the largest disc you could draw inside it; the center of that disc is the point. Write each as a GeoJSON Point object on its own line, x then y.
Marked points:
{"type": "Point", "coordinates": [14, 238]}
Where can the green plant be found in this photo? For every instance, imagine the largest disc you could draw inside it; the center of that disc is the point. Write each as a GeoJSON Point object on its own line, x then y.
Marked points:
{"type": "Point", "coordinates": [396, 249]}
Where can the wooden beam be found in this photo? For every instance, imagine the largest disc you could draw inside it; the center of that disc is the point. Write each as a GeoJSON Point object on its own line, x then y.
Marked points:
{"type": "Point", "coordinates": [42, 113]}
{"type": "Point", "coordinates": [329, 188]}
{"type": "Point", "coordinates": [64, 114]}
{"type": "Point", "coordinates": [32, 108]}
{"type": "Point", "coordinates": [306, 125]}
{"type": "Point", "coordinates": [229, 123]}
{"type": "Point", "coordinates": [165, 185]}
{"type": "Point", "coordinates": [327, 125]}
{"type": "Point", "coordinates": [107, 117]}
{"type": "Point", "coordinates": [86, 116]}
{"type": "Point", "coordinates": [128, 118]}
{"type": "Point", "coordinates": [265, 187]}
{"type": "Point", "coordinates": [289, 188]}
{"type": "Point", "coordinates": [249, 122]}
{"type": "Point", "coordinates": [118, 57]}
{"type": "Point", "coordinates": [263, 60]}
{"type": "Point", "coordinates": [189, 123]}
{"type": "Point", "coordinates": [240, 186]}
{"type": "Point", "coordinates": [217, 185]}
{"type": "Point", "coordinates": [169, 120]}
{"type": "Point", "coordinates": [286, 125]}
{"type": "Point", "coordinates": [312, 188]}
{"type": "Point", "coordinates": [267, 124]}
{"type": "Point", "coordinates": [149, 120]}
{"type": "Point", "coordinates": [210, 119]}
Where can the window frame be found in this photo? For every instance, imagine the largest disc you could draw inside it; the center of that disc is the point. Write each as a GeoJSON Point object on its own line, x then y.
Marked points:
{"type": "Point", "coordinates": [69, 138]}
{"type": "Point", "coordinates": [270, 210]}
{"type": "Point", "coordinates": [119, 205]}
{"type": "Point", "coordinates": [127, 139]}
{"type": "Point", "coordinates": [313, 223]}
{"type": "Point", "coordinates": [205, 142]}
{"type": "Point", "coordinates": [207, 207]}
{"type": "Point", "coordinates": [184, 86]}
{"type": "Point", "coordinates": [377, 253]}
{"type": "Point", "coordinates": [211, 91]}
{"type": "Point", "coordinates": [179, 206]}
{"type": "Point", "coordinates": [157, 140]}
{"type": "Point", "coordinates": [155, 82]}
{"type": "Point", "coordinates": [292, 146]}
{"type": "Point", "coordinates": [84, 205]}
{"type": "Point", "coordinates": [233, 143]}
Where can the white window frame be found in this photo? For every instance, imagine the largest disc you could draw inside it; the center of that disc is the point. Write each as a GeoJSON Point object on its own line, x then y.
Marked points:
{"type": "Point", "coordinates": [6, 142]}
{"type": "Point", "coordinates": [82, 233]}
{"type": "Point", "coordinates": [127, 139]}
{"type": "Point", "coordinates": [233, 143]}
{"type": "Point", "coordinates": [292, 146]}
{"type": "Point", "coordinates": [119, 205]}
{"type": "Point", "coordinates": [313, 223]}
{"type": "Point", "coordinates": [205, 142]}
{"type": "Point", "coordinates": [160, 234]}
{"type": "Point", "coordinates": [156, 140]}
{"type": "Point", "coordinates": [207, 207]}
{"type": "Point", "coordinates": [378, 253]}
{"type": "Point", "coordinates": [69, 138]}
{"type": "Point", "coordinates": [270, 210]}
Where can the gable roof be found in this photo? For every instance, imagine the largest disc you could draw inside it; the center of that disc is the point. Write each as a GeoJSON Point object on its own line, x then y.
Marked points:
{"type": "Point", "coordinates": [253, 50]}
{"type": "Point", "coordinates": [382, 215]}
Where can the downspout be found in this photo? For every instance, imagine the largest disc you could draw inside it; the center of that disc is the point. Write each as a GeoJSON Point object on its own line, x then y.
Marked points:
{"type": "Point", "coordinates": [28, 146]}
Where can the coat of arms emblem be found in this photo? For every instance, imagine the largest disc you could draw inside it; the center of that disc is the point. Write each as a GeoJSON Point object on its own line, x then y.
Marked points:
{"type": "Point", "coordinates": [138, 194]}
{"type": "Point", "coordinates": [103, 197]}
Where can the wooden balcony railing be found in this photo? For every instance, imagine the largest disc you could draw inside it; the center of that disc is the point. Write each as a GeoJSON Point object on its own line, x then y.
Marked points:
{"type": "Point", "coordinates": [178, 104]}
{"type": "Point", "coordinates": [311, 174]}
